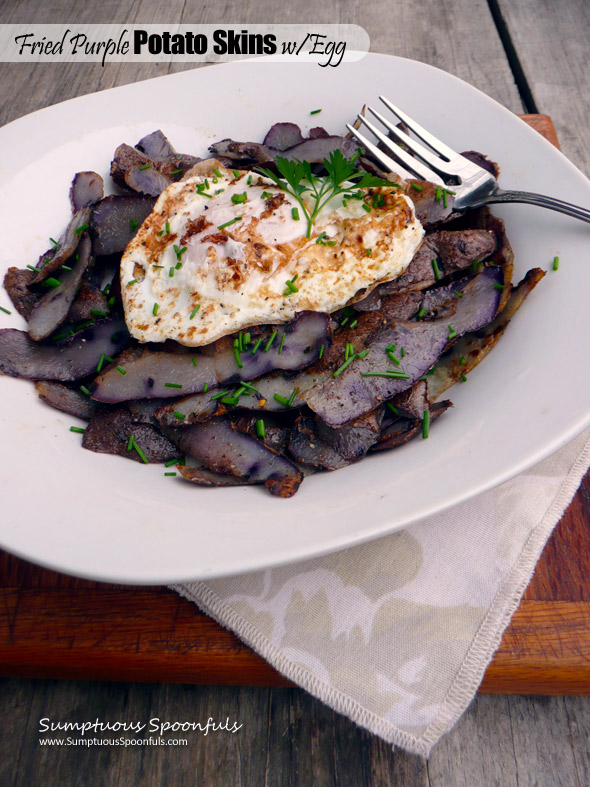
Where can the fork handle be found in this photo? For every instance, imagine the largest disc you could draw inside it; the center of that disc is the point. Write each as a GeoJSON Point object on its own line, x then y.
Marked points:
{"type": "Point", "coordinates": [499, 195]}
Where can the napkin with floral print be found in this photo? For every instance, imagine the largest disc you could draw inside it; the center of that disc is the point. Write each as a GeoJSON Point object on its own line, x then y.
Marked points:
{"type": "Point", "coordinates": [397, 633]}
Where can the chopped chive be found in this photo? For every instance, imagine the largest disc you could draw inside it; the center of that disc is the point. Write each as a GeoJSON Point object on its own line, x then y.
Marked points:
{"type": "Point", "coordinates": [444, 198]}
{"type": "Point", "coordinates": [292, 397]}
{"type": "Point", "coordinates": [435, 268]}
{"type": "Point", "coordinates": [155, 309]}
{"type": "Point", "coordinates": [247, 338]}
{"type": "Point", "coordinates": [205, 387]}
{"type": "Point", "coordinates": [280, 350]}
{"type": "Point", "coordinates": [281, 400]}
{"type": "Point", "coordinates": [257, 345]}
{"type": "Point", "coordinates": [157, 266]}
{"type": "Point", "coordinates": [130, 442]}
{"type": "Point", "coordinates": [348, 351]}
{"type": "Point", "coordinates": [249, 181]}
{"type": "Point", "coordinates": [402, 352]}
{"type": "Point", "coordinates": [344, 321]}
{"type": "Point", "coordinates": [195, 310]}
{"type": "Point", "coordinates": [65, 268]}
{"type": "Point", "coordinates": [160, 233]}
{"type": "Point", "coordinates": [169, 473]}
{"type": "Point", "coordinates": [179, 252]}
{"type": "Point", "coordinates": [171, 272]}
{"type": "Point", "coordinates": [85, 390]}
{"type": "Point", "coordinates": [271, 340]}
{"type": "Point", "coordinates": [167, 225]}
{"type": "Point", "coordinates": [353, 324]}
{"type": "Point", "coordinates": [145, 166]}
{"type": "Point", "coordinates": [463, 378]}
{"type": "Point", "coordinates": [195, 362]}
{"type": "Point", "coordinates": [393, 358]}
{"type": "Point", "coordinates": [220, 395]}
{"type": "Point", "coordinates": [111, 302]}
{"type": "Point", "coordinates": [217, 173]}
{"type": "Point", "coordinates": [172, 385]}
{"type": "Point", "coordinates": [452, 332]}
{"type": "Point", "coordinates": [416, 186]}
{"type": "Point", "coordinates": [393, 408]}
{"type": "Point", "coordinates": [77, 429]}
{"type": "Point", "coordinates": [100, 362]}
{"type": "Point", "coordinates": [51, 282]}
{"type": "Point", "coordinates": [462, 360]}
{"type": "Point", "coordinates": [368, 252]}
{"type": "Point", "coordinates": [133, 225]}
{"type": "Point", "coordinates": [344, 366]}
{"type": "Point", "coordinates": [231, 400]}
{"type": "Point", "coordinates": [265, 195]}
{"type": "Point", "coordinates": [55, 243]}
{"type": "Point", "coordinates": [474, 264]}
{"type": "Point", "coordinates": [320, 238]}
{"type": "Point", "coordinates": [421, 313]}
{"type": "Point", "coordinates": [438, 194]}
{"type": "Point", "coordinates": [81, 228]}
{"type": "Point", "coordinates": [32, 268]}
{"type": "Point", "coordinates": [171, 462]}
{"type": "Point", "coordinates": [366, 207]}
{"type": "Point", "coordinates": [142, 456]}
{"type": "Point", "coordinates": [229, 223]}
{"type": "Point", "coordinates": [498, 286]}
{"type": "Point", "coordinates": [260, 429]}
{"type": "Point", "coordinates": [388, 373]}
{"type": "Point", "coordinates": [556, 263]}
{"type": "Point", "coordinates": [98, 313]}
{"type": "Point", "coordinates": [6, 311]}
{"type": "Point", "coordinates": [239, 363]}
{"type": "Point", "coordinates": [237, 173]}
{"type": "Point", "coordinates": [331, 243]}
{"type": "Point", "coordinates": [315, 111]}
{"type": "Point", "coordinates": [249, 387]}
{"type": "Point", "coordinates": [363, 354]}
{"type": "Point", "coordinates": [121, 370]}
{"type": "Point", "coordinates": [322, 348]}
{"type": "Point", "coordinates": [426, 424]}
{"type": "Point", "coordinates": [458, 294]}
{"type": "Point", "coordinates": [181, 416]}
{"type": "Point", "coordinates": [295, 214]}
{"type": "Point", "coordinates": [239, 199]}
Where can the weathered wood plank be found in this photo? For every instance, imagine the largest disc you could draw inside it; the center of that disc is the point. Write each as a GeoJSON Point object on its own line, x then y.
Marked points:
{"type": "Point", "coordinates": [552, 45]}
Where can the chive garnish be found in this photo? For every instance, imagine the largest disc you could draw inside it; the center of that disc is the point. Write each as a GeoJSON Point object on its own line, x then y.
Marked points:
{"type": "Point", "coordinates": [366, 207]}
{"type": "Point", "coordinates": [160, 233]}
{"type": "Point", "coordinates": [100, 362]}
{"type": "Point", "coordinates": [205, 387]}
{"type": "Point", "coordinates": [292, 398]}
{"type": "Point", "coordinates": [260, 429]}
{"type": "Point", "coordinates": [416, 186]}
{"type": "Point", "coordinates": [55, 244]}
{"type": "Point", "coordinates": [438, 194]}
{"type": "Point", "coordinates": [249, 387]}
{"type": "Point", "coordinates": [421, 313]}
{"type": "Point", "coordinates": [249, 181]}
{"type": "Point", "coordinates": [239, 199]}
{"type": "Point", "coordinates": [229, 223]}
{"type": "Point", "coordinates": [231, 400]}
{"type": "Point", "coordinates": [320, 238]}
{"type": "Point", "coordinates": [388, 373]}
{"type": "Point", "coordinates": [172, 385]}
{"type": "Point", "coordinates": [281, 399]}
{"type": "Point", "coordinates": [462, 360]}
{"type": "Point", "coordinates": [452, 332]}
{"type": "Point", "coordinates": [51, 282]}
{"type": "Point", "coordinates": [171, 462]}
{"type": "Point", "coordinates": [85, 390]}
{"type": "Point", "coordinates": [133, 225]}
{"type": "Point", "coordinates": [257, 345]}
{"type": "Point", "coordinates": [170, 473]}
{"type": "Point", "coordinates": [171, 272]}
{"type": "Point", "coordinates": [98, 313]}
{"type": "Point", "coordinates": [555, 263]}
{"type": "Point", "coordinates": [81, 228]}
{"type": "Point", "coordinates": [402, 352]}
{"type": "Point", "coordinates": [265, 195]}
{"type": "Point", "coordinates": [498, 286]}
{"type": "Point", "coordinates": [181, 416]}
{"type": "Point", "coordinates": [77, 429]}
{"type": "Point", "coordinates": [368, 252]}
{"type": "Point", "coordinates": [155, 309]}
{"type": "Point", "coordinates": [145, 166]}
{"type": "Point", "coordinates": [195, 310]}
{"type": "Point", "coordinates": [474, 264]}
{"type": "Point", "coordinates": [6, 311]}
{"type": "Point", "coordinates": [280, 350]}
{"type": "Point", "coordinates": [271, 340]}
{"type": "Point", "coordinates": [121, 370]}
{"type": "Point", "coordinates": [179, 252]}
{"type": "Point", "coordinates": [436, 270]}
{"type": "Point", "coordinates": [217, 173]}
{"type": "Point", "coordinates": [353, 324]}
{"type": "Point", "coordinates": [167, 225]}
{"type": "Point", "coordinates": [458, 294]}
{"type": "Point", "coordinates": [239, 363]}
{"type": "Point", "coordinates": [65, 268]}
{"type": "Point", "coordinates": [344, 366]}
{"type": "Point", "coordinates": [142, 456]}
{"type": "Point", "coordinates": [315, 111]}
{"type": "Point", "coordinates": [463, 378]}
{"type": "Point", "coordinates": [32, 268]}
{"type": "Point", "coordinates": [290, 284]}
{"type": "Point", "coordinates": [220, 395]}
{"type": "Point", "coordinates": [237, 173]}
{"type": "Point", "coordinates": [295, 214]}
{"type": "Point", "coordinates": [393, 408]}
{"type": "Point", "coordinates": [194, 361]}
{"type": "Point", "coordinates": [426, 424]}
{"type": "Point", "coordinates": [322, 348]}
{"type": "Point", "coordinates": [130, 443]}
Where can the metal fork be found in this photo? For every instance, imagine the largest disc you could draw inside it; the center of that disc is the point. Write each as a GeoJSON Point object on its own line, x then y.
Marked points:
{"type": "Point", "coordinates": [472, 185]}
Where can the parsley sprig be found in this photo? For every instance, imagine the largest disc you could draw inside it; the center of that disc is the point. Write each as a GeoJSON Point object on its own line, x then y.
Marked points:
{"type": "Point", "coordinates": [343, 177]}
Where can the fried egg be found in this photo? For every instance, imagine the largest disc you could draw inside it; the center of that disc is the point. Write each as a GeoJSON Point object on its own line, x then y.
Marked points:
{"type": "Point", "coordinates": [230, 250]}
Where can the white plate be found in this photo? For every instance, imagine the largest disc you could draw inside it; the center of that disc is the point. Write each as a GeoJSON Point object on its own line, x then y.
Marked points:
{"type": "Point", "coordinates": [104, 517]}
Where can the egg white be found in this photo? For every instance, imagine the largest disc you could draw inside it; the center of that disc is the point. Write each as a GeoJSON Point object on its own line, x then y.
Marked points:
{"type": "Point", "coordinates": [216, 253]}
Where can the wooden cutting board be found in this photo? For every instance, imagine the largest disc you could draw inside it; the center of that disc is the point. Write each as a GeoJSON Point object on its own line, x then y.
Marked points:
{"type": "Point", "coordinates": [55, 626]}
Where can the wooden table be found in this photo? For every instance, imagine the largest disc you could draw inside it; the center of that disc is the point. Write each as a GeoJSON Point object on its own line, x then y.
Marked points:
{"type": "Point", "coordinates": [529, 58]}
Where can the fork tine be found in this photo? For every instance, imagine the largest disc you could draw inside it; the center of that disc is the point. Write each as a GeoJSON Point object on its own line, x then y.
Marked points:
{"type": "Point", "coordinates": [383, 158]}
{"type": "Point", "coordinates": [419, 150]}
{"type": "Point", "coordinates": [434, 142]}
{"type": "Point", "coordinates": [408, 161]}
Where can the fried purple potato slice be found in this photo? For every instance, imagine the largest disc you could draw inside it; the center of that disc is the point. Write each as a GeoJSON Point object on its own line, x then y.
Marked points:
{"type": "Point", "coordinates": [89, 300]}
{"type": "Point", "coordinates": [363, 386]}
{"type": "Point", "coordinates": [431, 207]}
{"type": "Point", "coordinates": [146, 181]}
{"type": "Point", "coordinates": [149, 374]}
{"type": "Point", "coordinates": [413, 402]}
{"type": "Point", "coordinates": [66, 246]}
{"type": "Point", "coordinates": [452, 250]}
{"type": "Point", "coordinates": [275, 437]}
{"type": "Point", "coordinates": [16, 284]}
{"type": "Point", "coordinates": [143, 411]}
{"type": "Point", "coordinates": [281, 136]}
{"type": "Point", "coordinates": [402, 430]}
{"type": "Point", "coordinates": [110, 433]}
{"type": "Point", "coordinates": [204, 477]}
{"type": "Point", "coordinates": [52, 309]}
{"type": "Point", "coordinates": [87, 188]}
{"type": "Point", "coordinates": [66, 399]}
{"type": "Point", "coordinates": [472, 348]}
{"type": "Point", "coordinates": [156, 145]}
{"type": "Point", "coordinates": [320, 148]}
{"type": "Point", "coordinates": [75, 358]}
{"type": "Point", "coordinates": [224, 450]}
{"type": "Point", "coordinates": [243, 152]}
{"type": "Point", "coordinates": [114, 221]}
{"type": "Point", "coordinates": [306, 447]}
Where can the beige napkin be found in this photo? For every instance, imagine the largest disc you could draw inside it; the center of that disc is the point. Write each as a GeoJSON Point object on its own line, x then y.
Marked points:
{"type": "Point", "coordinates": [396, 634]}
